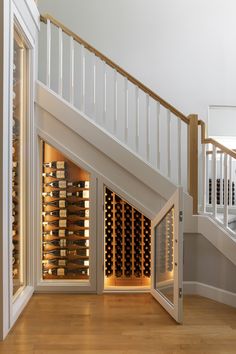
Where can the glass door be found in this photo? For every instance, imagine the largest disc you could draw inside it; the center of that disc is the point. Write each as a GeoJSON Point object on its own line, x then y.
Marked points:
{"type": "Point", "coordinates": [18, 164]}
{"type": "Point", "coordinates": [167, 256]}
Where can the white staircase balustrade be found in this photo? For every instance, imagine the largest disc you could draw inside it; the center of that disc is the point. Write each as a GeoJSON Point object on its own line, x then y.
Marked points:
{"type": "Point", "coordinates": [93, 85]}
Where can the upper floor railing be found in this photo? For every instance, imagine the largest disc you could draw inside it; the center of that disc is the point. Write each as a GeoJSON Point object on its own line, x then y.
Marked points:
{"type": "Point", "coordinates": [141, 120]}
{"type": "Point", "coordinates": [218, 181]}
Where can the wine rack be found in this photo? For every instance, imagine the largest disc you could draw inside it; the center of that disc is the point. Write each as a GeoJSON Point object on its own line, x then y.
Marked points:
{"type": "Point", "coordinates": [127, 243]}
{"type": "Point", "coordinates": [65, 217]}
{"type": "Point", "coordinates": [165, 247]}
{"type": "Point", "coordinates": [219, 188]}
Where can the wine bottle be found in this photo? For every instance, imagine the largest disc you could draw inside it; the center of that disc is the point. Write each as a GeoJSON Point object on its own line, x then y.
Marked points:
{"type": "Point", "coordinates": [64, 223]}
{"type": "Point", "coordinates": [137, 273]}
{"type": "Point", "coordinates": [55, 164]}
{"type": "Point", "coordinates": [57, 253]}
{"type": "Point", "coordinates": [63, 242]}
{"type": "Point", "coordinates": [82, 223]}
{"type": "Point", "coordinates": [78, 184]}
{"type": "Point", "coordinates": [64, 194]}
{"type": "Point", "coordinates": [56, 262]}
{"type": "Point", "coordinates": [60, 174]}
{"type": "Point", "coordinates": [64, 184]}
{"type": "Point", "coordinates": [118, 273]}
{"type": "Point", "coordinates": [64, 271]}
{"type": "Point", "coordinates": [60, 203]}
{"type": "Point", "coordinates": [62, 213]}
{"type": "Point", "coordinates": [63, 233]}
{"type": "Point", "coordinates": [59, 223]}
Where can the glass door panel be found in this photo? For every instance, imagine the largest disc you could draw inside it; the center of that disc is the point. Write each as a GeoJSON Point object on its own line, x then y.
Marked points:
{"type": "Point", "coordinates": [164, 254]}
{"type": "Point", "coordinates": [167, 256]}
{"type": "Point", "coordinates": [18, 163]}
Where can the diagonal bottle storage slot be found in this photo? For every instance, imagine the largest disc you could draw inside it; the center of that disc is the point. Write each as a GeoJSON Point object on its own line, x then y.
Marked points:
{"type": "Point", "coordinates": [127, 244]}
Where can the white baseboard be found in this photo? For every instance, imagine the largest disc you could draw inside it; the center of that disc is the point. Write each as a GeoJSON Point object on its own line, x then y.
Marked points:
{"type": "Point", "coordinates": [211, 292]}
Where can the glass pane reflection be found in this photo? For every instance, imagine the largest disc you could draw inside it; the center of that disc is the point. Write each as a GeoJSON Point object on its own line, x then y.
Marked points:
{"type": "Point", "coordinates": [164, 256]}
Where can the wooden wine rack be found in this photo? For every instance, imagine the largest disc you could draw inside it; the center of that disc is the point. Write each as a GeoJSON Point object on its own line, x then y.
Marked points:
{"type": "Point", "coordinates": [127, 244]}
{"type": "Point", "coordinates": [73, 173]}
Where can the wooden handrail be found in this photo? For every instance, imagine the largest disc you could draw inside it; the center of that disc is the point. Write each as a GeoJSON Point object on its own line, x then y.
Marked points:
{"type": "Point", "coordinates": [214, 142]}
{"type": "Point", "coordinates": [121, 71]}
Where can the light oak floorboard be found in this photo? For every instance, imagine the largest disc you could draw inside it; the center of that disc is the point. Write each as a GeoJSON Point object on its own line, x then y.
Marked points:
{"type": "Point", "coordinates": [120, 324]}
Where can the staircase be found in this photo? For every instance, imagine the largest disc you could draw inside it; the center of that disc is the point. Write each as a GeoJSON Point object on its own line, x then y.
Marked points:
{"type": "Point", "coordinates": [117, 117]}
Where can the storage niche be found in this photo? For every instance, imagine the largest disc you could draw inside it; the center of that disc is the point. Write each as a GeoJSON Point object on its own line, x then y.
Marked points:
{"type": "Point", "coordinates": [65, 217]}
{"type": "Point", "coordinates": [127, 243]}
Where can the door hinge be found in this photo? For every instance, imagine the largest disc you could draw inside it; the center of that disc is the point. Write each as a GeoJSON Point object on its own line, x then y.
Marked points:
{"type": "Point", "coordinates": [181, 216]}
{"type": "Point", "coordinates": [180, 293]}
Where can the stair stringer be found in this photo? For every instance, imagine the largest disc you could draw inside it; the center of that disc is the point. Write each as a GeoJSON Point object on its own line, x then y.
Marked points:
{"type": "Point", "coordinates": [102, 140]}
{"type": "Point", "coordinates": [83, 153]}
{"type": "Point", "coordinates": [218, 236]}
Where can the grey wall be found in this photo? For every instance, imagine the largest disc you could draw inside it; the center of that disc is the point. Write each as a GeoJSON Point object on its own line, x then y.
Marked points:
{"type": "Point", "coordinates": [205, 264]}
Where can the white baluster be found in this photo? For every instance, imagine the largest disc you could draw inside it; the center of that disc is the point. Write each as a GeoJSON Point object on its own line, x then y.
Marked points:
{"type": "Point", "coordinates": [213, 182]}
{"type": "Point", "coordinates": [168, 143]}
{"type": "Point", "coordinates": [226, 190]}
{"type": "Point", "coordinates": [104, 92]}
{"type": "Point", "coordinates": [148, 126]}
{"type": "Point", "coordinates": [204, 177]}
{"type": "Point", "coordinates": [179, 152]}
{"type": "Point", "coordinates": [221, 178]}
{"type": "Point", "coordinates": [207, 175]}
{"type": "Point", "coordinates": [94, 85]}
{"type": "Point", "coordinates": [115, 102]}
{"type": "Point", "coordinates": [60, 62]}
{"type": "Point", "coordinates": [230, 183]}
{"type": "Point", "coordinates": [83, 79]}
{"type": "Point", "coordinates": [158, 134]}
{"type": "Point", "coordinates": [137, 118]}
{"type": "Point", "coordinates": [72, 71]}
{"type": "Point", "coordinates": [126, 109]}
{"type": "Point", "coordinates": [48, 62]}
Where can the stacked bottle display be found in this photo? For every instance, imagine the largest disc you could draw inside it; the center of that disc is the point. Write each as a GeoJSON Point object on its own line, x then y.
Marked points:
{"type": "Point", "coordinates": [220, 191]}
{"type": "Point", "coordinates": [165, 247]}
{"type": "Point", "coordinates": [65, 222]}
{"type": "Point", "coordinates": [127, 241]}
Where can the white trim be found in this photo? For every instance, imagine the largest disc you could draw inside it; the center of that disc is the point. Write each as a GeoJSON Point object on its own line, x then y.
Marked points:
{"type": "Point", "coordinates": [211, 292]}
{"type": "Point", "coordinates": [32, 7]}
{"type": "Point", "coordinates": [23, 28]}
{"type": "Point", "coordinates": [5, 112]}
{"type": "Point", "coordinates": [20, 303]}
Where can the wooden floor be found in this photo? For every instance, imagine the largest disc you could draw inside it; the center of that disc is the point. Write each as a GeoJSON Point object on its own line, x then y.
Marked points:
{"type": "Point", "coordinates": [127, 324]}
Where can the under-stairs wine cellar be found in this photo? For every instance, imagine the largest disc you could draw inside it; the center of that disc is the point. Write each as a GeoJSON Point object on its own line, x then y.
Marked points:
{"type": "Point", "coordinates": [127, 243]}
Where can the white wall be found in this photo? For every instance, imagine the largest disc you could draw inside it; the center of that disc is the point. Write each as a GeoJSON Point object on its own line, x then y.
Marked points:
{"type": "Point", "coordinates": [184, 50]}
